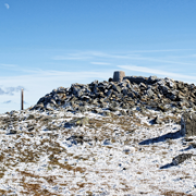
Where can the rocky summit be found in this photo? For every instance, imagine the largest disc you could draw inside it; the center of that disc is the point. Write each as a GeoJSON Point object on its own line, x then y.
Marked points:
{"type": "Point", "coordinates": [129, 135]}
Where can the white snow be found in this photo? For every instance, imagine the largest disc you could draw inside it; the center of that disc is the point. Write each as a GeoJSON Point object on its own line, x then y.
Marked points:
{"type": "Point", "coordinates": [43, 161]}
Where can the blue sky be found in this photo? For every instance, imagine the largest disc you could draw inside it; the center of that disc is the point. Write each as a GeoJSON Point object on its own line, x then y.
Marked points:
{"type": "Point", "coordinates": [50, 43]}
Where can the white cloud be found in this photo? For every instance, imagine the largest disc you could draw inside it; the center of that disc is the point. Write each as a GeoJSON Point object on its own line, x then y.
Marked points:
{"type": "Point", "coordinates": [100, 63]}
{"type": "Point", "coordinates": [160, 50]}
{"type": "Point", "coordinates": [8, 65]}
{"type": "Point", "coordinates": [7, 102]}
{"type": "Point", "coordinates": [130, 55]}
{"type": "Point", "coordinates": [156, 71]}
{"type": "Point", "coordinates": [79, 55]}
{"type": "Point", "coordinates": [7, 6]}
{"type": "Point", "coordinates": [10, 90]}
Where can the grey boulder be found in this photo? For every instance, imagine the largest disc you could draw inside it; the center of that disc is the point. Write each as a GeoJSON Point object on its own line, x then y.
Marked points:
{"type": "Point", "coordinates": [188, 124]}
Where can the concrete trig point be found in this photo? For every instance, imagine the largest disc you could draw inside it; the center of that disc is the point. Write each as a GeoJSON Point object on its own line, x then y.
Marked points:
{"type": "Point", "coordinates": [118, 76]}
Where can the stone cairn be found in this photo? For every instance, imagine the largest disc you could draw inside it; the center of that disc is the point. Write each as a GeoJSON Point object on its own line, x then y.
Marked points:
{"type": "Point", "coordinates": [123, 93]}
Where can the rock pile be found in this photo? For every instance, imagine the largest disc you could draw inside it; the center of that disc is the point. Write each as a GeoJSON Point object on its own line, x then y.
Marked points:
{"type": "Point", "coordinates": [141, 92]}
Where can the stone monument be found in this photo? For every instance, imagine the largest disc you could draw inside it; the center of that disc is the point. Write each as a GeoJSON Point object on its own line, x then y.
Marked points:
{"type": "Point", "coordinates": [118, 76]}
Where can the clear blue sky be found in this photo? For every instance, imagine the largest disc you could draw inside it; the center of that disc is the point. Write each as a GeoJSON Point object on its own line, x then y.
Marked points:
{"type": "Point", "coordinates": [45, 44]}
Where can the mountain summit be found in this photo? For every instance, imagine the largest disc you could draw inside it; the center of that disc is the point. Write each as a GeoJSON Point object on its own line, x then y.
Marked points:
{"type": "Point", "coordinates": [129, 135]}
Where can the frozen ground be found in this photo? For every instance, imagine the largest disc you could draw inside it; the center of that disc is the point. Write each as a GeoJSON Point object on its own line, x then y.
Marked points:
{"type": "Point", "coordinates": [61, 153]}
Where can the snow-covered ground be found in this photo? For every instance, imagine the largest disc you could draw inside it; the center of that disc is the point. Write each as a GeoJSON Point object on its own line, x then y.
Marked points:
{"type": "Point", "coordinates": [49, 153]}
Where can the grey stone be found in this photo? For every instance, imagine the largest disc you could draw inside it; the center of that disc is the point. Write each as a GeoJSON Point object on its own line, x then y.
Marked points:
{"type": "Point", "coordinates": [123, 112]}
{"type": "Point", "coordinates": [125, 105]}
{"type": "Point", "coordinates": [96, 82]}
{"type": "Point", "coordinates": [136, 79]}
{"type": "Point", "coordinates": [44, 118]}
{"type": "Point", "coordinates": [126, 81]}
{"type": "Point", "coordinates": [95, 90]}
{"type": "Point", "coordinates": [82, 109]}
{"type": "Point", "coordinates": [169, 82]}
{"type": "Point", "coordinates": [124, 91]}
{"type": "Point", "coordinates": [179, 85]}
{"type": "Point", "coordinates": [118, 76]}
{"type": "Point", "coordinates": [53, 101]}
{"type": "Point", "coordinates": [152, 104]}
{"type": "Point", "coordinates": [181, 158]}
{"type": "Point", "coordinates": [103, 104]}
{"type": "Point", "coordinates": [164, 107]}
{"type": "Point", "coordinates": [74, 139]}
{"type": "Point", "coordinates": [80, 93]}
{"type": "Point", "coordinates": [150, 93]}
{"type": "Point", "coordinates": [61, 90]}
{"type": "Point", "coordinates": [40, 105]}
{"type": "Point", "coordinates": [79, 121]}
{"type": "Point", "coordinates": [108, 93]}
{"type": "Point", "coordinates": [152, 79]}
{"type": "Point", "coordinates": [54, 91]}
{"type": "Point", "coordinates": [106, 113]}
{"type": "Point", "coordinates": [114, 106]}
{"type": "Point", "coordinates": [12, 131]}
{"type": "Point", "coordinates": [77, 91]}
{"type": "Point", "coordinates": [188, 124]}
{"type": "Point", "coordinates": [142, 86]}
{"type": "Point", "coordinates": [30, 128]}
{"type": "Point", "coordinates": [93, 102]}
{"type": "Point", "coordinates": [116, 88]}
{"type": "Point", "coordinates": [30, 117]}
{"type": "Point", "coordinates": [164, 89]}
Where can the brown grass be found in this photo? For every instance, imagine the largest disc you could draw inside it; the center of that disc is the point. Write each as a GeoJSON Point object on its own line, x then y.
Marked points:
{"type": "Point", "coordinates": [1, 175]}
{"type": "Point", "coordinates": [174, 193]}
{"type": "Point", "coordinates": [36, 190]}
{"type": "Point", "coordinates": [50, 179]}
{"type": "Point", "coordinates": [67, 166]}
